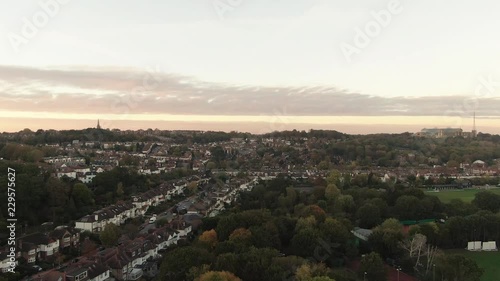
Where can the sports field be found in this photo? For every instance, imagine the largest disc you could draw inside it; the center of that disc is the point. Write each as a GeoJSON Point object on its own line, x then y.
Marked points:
{"type": "Point", "coordinates": [488, 261]}
{"type": "Point", "coordinates": [465, 195]}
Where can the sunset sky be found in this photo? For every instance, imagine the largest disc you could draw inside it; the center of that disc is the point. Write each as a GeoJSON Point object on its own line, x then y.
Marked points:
{"type": "Point", "coordinates": [250, 65]}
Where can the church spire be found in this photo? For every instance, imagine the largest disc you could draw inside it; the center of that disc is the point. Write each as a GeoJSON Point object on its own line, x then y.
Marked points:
{"type": "Point", "coordinates": [474, 131]}
{"type": "Point", "coordinates": [98, 125]}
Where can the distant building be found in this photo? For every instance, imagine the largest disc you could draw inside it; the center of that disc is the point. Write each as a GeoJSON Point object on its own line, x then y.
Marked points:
{"type": "Point", "coordinates": [445, 133]}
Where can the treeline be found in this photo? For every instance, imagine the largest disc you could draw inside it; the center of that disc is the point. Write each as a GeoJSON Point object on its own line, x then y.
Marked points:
{"type": "Point", "coordinates": [276, 232]}
{"type": "Point", "coordinates": [41, 137]}
{"type": "Point", "coordinates": [41, 198]}
{"type": "Point", "coordinates": [319, 134]}
{"type": "Point", "coordinates": [120, 183]}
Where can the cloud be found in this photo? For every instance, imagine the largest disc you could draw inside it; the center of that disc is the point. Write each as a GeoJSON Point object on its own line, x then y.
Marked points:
{"type": "Point", "coordinates": [78, 90]}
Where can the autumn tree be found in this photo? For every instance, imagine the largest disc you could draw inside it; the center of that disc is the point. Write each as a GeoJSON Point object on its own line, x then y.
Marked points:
{"type": "Point", "coordinates": [241, 235]}
{"type": "Point", "coordinates": [218, 276]}
{"type": "Point", "coordinates": [209, 238]}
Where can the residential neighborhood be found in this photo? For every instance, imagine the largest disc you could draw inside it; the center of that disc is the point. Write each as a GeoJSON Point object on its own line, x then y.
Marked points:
{"type": "Point", "coordinates": [118, 210]}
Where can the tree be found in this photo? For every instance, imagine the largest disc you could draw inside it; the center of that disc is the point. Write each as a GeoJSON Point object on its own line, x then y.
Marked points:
{"type": "Point", "coordinates": [368, 216]}
{"type": "Point", "coordinates": [226, 226]}
{"type": "Point", "coordinates": [256, 264]}
{"type": "Point", "coordinates": [321, 278]}
{"type": "Point", "coordinates": [176, 264]}
{"type": "Point", "coordinates": [324, 165]}
{"type": "Point", "coordinates": [211, 165]}
{"type": "Point", "coordinates": [82, 195]}
{"type": "Point", "coordinates": [458, 267]}
{"type": "Point", "coordinates": [386, 237]}
{"type": "Point", "coordinates": [110, 235]}
{"type": "Point", "coordinates": [218, 276]}
{"type": "Point", "coordinates": [415, 247]}
{"type": "Point", "coordinates": [197, 271]}
{"type": "Point", "coordinates": [335, 177]}
{"type": "Point", "coordinates": [374, 267]}
{"type": "Point", "coordinates": [487, 200]}
{"type": "Point", "coordinates": [305, 242]}
{"type": "Point", "coordinates": [209, 238]}
{"type": "Point", "coordinates": [119, 190]}
{"type": "Point", "coordinates": [331, 192]}
{"type": "Point", "coordinates": [308, 272]}
{"type": "Point", "coordinates": [345, 203]}
{"type": "Point", "coordinates": [334, 231]}
{"type": "Point", "coordinates": [192, 187]}
{"type": "Point", "coordinates": [58, 198]}
{"type": "Point", "coordinates": [408, 208]}
{"type": "Point", "coordinates": [241, 235]}
{"type": "Point", "coordinates": [315, 211]}
{"type": "Point", "coordinates": [227, 262]}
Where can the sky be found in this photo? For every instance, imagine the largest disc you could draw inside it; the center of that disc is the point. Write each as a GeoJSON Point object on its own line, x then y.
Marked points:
{"type": "Point", "coordinates": [363, 66]}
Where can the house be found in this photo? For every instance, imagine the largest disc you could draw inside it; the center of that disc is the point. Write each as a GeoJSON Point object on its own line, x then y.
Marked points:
{"type": "Point", "coordinates": [68, 172]}
{"type": "Point", "coordinates": [86, 270]}
{"type": "Point", "coordinates": [6, 263]}
{"type": "Point", "coordinates": [37, 246]}
{"type": "Point", "coordinates": [150, 269]}
{"type": "Point", "coordinates": [77, 273]}
{"type": "Point", "coordinates": [86, 177]}
{"type": "Point", "coordinates": [68, 237]}
{"type": "Point", "coordinates": [98, 272]}
{"type": "Point", "coordinates": [90, 223]}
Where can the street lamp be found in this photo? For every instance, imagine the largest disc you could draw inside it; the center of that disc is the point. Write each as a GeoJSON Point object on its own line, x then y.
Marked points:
{"type": "Point", "coordinates": [434, 272]}
{"type": "Point", "coordinates": [364, 276]}
{"type": "Point", "coordinates": [398, 269]}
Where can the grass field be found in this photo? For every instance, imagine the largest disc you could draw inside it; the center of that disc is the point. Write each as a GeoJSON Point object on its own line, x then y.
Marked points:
{"type": "Point", "coordinates": [465, 195]}
{"type": "Point", "coordinates": [489, 261]}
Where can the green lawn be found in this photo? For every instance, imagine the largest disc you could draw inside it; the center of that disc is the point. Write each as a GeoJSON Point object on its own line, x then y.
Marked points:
{"type": "Point", "coordinates": [465, 195]}
{"type": "Point", "coordinates": [489, 261]}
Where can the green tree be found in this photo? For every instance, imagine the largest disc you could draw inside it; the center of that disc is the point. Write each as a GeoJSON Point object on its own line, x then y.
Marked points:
{"type": "Point", "coordinates": [457, 267]}
{"type": "Point", "coordinates": [110, 235]}
{"type": "Point", "coordinates": [218, 276]}
{"type": "Point", "coordinates": [487, 200]}
{"type": "Point", "coordinates": [368, 216]}
{"type": "Point", "coordinates": [211, 165]}
{"type": "Point", "coordinates": [331, 192]}
{"type": "Point", "coordinates": [119, 190]}
{"type": "Point", "coordinates": [335, 177]}
{"type": "Point", "coordinates": [374, 267]}
{"type": "Point", "coordinates": [305, 242]}
{"type": "Point", "coordinates": [177, 263]}
{"type": "Point", "coordinates": [82, 195]}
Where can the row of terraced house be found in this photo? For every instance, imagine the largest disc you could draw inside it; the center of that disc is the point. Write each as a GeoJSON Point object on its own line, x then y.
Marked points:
{"type": "Point", "coordinates": [130, 260]}
{"type": "Point", "coordinates": [120, 212]}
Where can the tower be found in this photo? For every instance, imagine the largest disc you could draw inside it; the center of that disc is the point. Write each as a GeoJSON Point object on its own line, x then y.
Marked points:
{"type": "Point", "coordinates": [98, 125]}
{"type": "Point", "coordinates": [474, 132]}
